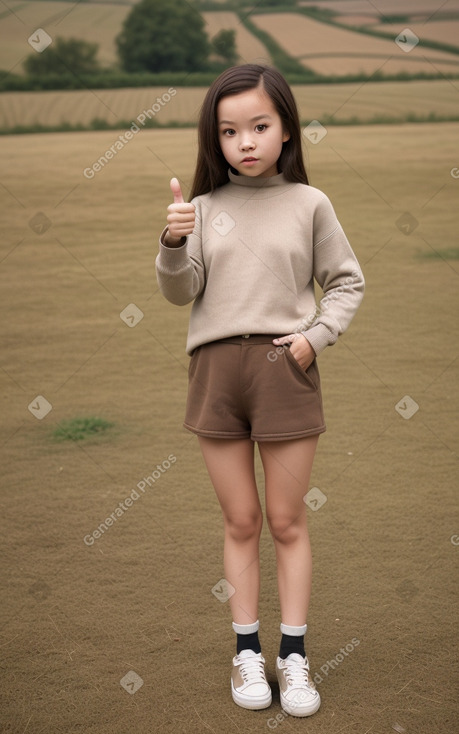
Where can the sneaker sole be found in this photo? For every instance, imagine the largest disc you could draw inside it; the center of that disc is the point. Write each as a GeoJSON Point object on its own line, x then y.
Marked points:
{"type": "Point", "coordinates": [299, 711]}
{"type": "Point", "coordinates": [248, 702]}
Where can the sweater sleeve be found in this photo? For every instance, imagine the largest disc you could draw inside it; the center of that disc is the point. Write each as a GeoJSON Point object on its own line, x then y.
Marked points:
{"type": "Point", "coordinates": [180, 271]}
{"type": "Point", "coordinates": [337, 271]}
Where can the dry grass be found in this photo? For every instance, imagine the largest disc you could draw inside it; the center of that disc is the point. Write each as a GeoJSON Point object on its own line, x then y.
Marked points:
{"type": "Point", "coordinates": [329, 50]}
{"type": "Point", "coordinates": [373, 100]}
{"type": "Point", "coordinates": [82, 106]}
{"type": "Point", "coordinates": [77, 618]}
{"type": "Point", "coordinates": [249, 48]}
{"type": "Point", "coordinates": [443, 31]}
{"type": "Point", "coordinates": [300, 36]}
{"type": "Point", "coordinates": [391, 7]}
{"type": "Point", "coordinates": [344, 101]}
{"type": "Point", "coordinates": [358, 20]}
{"type": "Point", "coordinates": [98, 23]}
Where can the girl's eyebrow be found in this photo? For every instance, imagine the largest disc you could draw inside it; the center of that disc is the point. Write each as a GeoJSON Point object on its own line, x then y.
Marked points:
{"type": "Point", "coordinates": [253, 119]}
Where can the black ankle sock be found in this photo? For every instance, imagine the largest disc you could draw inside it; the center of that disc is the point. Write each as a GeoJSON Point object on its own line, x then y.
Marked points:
{"type": "Point", "coordinates": [291, 643]}
{"type": "Point", "coordinates": [248, 642]}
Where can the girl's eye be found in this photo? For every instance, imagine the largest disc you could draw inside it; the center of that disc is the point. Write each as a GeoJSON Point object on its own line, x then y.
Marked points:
{"type": "Point", "coordinates": [230, 132]}
{"type": "Point", "coordinates": [261, 126]}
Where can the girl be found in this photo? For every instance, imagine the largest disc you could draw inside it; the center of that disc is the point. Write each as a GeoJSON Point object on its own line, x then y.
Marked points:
{"type": "Point", "coordinates": [246, 250]}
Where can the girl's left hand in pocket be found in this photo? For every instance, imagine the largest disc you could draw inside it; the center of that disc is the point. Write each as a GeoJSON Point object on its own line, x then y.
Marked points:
{"type": "Point", "coordinates": [300, 348]}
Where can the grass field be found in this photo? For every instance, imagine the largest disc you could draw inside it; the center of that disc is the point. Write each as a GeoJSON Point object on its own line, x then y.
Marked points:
{"type": "Point", "coordinates": [425, 8]}
{"type": "Point", "coordinates": [97, 23]}
{"type": "Point", "coordinates": [443, 31]}
{"type": "Point", "coordinates": [77, 618]}
{"type": "Point", "coordinates": [322, 47]}
{"type": "Point", "coordinates": [248, 47]}
{"type": "Point", "coordinates": [339, 102]}
{"type": "Point", "coordinates": [328, 50]}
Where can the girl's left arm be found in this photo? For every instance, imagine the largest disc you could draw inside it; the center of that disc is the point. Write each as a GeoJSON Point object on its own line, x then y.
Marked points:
{"type": "Point", "coordinates": [337, 271]}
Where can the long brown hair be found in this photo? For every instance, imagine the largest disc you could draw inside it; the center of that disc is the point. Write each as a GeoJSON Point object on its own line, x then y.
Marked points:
{"type": "Point", "coordinates": [212, 168]}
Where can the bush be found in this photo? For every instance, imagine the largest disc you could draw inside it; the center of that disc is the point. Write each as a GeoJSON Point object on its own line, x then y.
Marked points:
{"type": "Point", "coordinates": [65, 56]}
{"type": "Point", "coordinates": [224, 45]}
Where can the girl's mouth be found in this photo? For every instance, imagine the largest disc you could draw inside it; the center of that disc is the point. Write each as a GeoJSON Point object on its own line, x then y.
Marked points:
{"type": "Point", "coordinates": [249, 160]}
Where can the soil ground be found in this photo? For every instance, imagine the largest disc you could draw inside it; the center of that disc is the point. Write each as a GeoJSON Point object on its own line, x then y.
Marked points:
{"type": "Point", "coordinates": [78, 617]}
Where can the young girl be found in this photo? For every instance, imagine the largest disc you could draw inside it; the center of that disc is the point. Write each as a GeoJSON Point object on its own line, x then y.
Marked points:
{"type": "Point", "coordinates": [246, 250]}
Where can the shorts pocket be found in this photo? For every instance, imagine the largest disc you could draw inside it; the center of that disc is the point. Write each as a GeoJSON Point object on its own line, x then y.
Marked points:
{"type": "Point", "coordinates": [310, 375]}
{"type": "Point", "coordinates": [192, 362]}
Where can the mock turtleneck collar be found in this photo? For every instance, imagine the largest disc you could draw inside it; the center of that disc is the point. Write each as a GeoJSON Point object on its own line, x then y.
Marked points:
{"type": "Point", "coordinates": [256, 181]}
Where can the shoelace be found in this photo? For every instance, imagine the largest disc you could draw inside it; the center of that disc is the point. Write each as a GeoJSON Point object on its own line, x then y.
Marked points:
{"type": "Point", "coordinates": [252, 669]}
{"type": "Point", "coordinates": [296, 673]}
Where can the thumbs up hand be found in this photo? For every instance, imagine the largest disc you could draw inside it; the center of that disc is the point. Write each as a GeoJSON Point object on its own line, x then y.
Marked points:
{"type": "Point", "coordinates": [181, 218]}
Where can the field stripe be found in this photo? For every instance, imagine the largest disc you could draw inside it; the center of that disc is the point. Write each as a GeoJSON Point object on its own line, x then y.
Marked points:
{"type": "Point", "coordinates": [298, 33]}
{"type": "Point", "coordinates": [336, 102]}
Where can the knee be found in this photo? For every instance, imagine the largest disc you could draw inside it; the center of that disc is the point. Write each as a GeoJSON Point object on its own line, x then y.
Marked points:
{"type": "Point", "coordinates": [287, 529]}
{"type": "Point", "coordinates": [242, 528]}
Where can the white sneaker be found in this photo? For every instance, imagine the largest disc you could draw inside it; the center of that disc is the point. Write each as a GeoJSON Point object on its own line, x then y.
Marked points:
{"type": "Point", "coordinates": [249, 687]}
{"type": "Point", "coordinates": [298, 693]}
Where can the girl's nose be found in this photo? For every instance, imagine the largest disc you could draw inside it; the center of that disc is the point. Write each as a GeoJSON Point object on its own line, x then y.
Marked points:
{"type": "Point", "coordinates": [247, 144]}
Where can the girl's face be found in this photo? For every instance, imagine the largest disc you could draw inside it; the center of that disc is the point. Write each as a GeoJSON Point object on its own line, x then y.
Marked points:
{"type": "Point", "coordinates": [250, 133]}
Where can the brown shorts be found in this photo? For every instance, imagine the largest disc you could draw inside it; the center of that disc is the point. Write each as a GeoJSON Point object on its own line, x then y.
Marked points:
{"type": "Point", "coordinates": [246, 387]}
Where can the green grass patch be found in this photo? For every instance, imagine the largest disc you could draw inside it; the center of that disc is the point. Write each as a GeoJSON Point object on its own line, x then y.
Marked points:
{"type": "Point", "coordinates": [392, 19]}
{"type": "Point", "coordinates": [448, 253]}
{"type": "Point", "coordinates": [82, 429]}
{"type": "Point", "coordinates": [96, 124]}
{"type": "Point", "coordinates": [387, 119]}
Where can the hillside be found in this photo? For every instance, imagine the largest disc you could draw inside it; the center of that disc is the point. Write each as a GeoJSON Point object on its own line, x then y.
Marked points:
{"type": "Point", "coordinates": [318, 42]}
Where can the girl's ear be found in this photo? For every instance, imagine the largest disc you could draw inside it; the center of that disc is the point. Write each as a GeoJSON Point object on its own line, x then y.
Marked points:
{"type": "Point", "coordinates": [285, 136]}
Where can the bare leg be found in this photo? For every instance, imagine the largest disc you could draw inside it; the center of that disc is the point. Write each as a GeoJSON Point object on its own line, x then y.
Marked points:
{"type": "Point", "coordinates": [287, 466]}
{"type": "Point", "coordinates": [230, 463]}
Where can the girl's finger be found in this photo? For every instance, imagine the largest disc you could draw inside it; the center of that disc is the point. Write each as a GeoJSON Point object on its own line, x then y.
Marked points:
{"type": "Point", "coordinates": [285, 339]}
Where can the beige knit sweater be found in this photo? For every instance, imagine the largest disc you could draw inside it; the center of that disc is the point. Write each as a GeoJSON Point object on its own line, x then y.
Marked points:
{"type": "Point", "coordinates": [251, 261]}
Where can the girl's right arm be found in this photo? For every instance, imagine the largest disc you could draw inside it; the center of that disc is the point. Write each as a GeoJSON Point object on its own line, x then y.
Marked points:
{"type": "Point", "coordinates": [181, 218]}
{"type": "Point", "coordinates": [179, 265]}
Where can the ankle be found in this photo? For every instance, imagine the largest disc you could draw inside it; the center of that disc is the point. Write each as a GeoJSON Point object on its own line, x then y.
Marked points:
{"type": "Point", "coordinates": [292, 640]}
{"type": "Point", "coordinates": [247, 637]}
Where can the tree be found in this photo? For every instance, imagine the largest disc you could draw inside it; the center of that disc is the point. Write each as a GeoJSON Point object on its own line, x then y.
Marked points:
{"type": "Point", "coordinates": [163, 35]}
{"type": "Point", "coordinates": [63, 56]}
{"type": "Point", "coordinates": [224, 46]}
{"type": "Point", "coordinates": [272, 3]}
